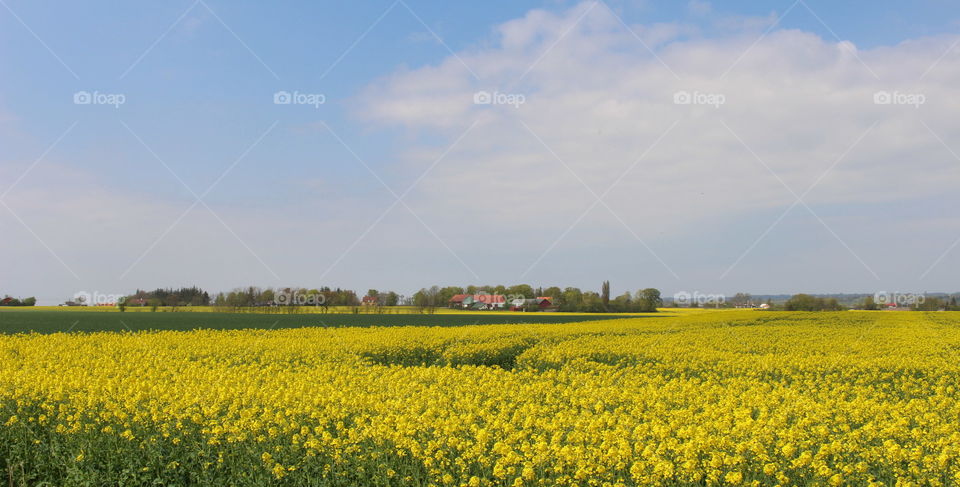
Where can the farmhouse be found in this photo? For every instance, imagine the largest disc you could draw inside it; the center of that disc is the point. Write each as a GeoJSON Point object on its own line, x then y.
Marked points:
{"type": "Point", "coordinates": [540, 303]}
{"type": "Point", "coordinates": [369, 301]}
{"type": "Point", "coordinates": [478, 301]}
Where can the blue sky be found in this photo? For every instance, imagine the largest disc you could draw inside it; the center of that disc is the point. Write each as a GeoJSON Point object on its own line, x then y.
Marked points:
{"type": "Point", "coordinates": [305, 196]}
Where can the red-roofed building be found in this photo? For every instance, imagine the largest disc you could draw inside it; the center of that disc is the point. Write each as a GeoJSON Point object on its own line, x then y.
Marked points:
{"type": "Point", "coordinates": [369, 301]}
{"type": "Point", "coordinates": [490, 301]}
{"type": "Point", "coordinates": [457, 300]}
{"type": "Point", "coordinates": [536, 304]}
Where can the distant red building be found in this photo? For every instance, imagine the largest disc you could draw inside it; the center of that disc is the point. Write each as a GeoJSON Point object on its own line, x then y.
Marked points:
{"type": "Point", "coordinates": [478, 301]}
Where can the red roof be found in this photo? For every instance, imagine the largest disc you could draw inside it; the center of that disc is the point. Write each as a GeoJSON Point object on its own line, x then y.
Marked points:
{"type": "Point", "coordinates": [369, 299]}
{"type": "Point", "coordinates": [490, 298]}
{"type": "Point", "coordinates": [458, 298]}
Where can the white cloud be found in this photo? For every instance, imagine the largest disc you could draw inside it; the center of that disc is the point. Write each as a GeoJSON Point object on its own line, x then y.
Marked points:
{"type": "Point", "coordinates": [598, 99]}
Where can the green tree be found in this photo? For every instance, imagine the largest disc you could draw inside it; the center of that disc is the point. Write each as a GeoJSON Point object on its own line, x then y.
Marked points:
{"type": "Point", "coordinates": [648, 300]}
{"type": "Point", "coordinates": [571, 299]}
{"type": "Point", "coordinates": [552, 292]}
{"type": "Point", "coordinates": [622, 304]}
{"type": "Point", "coordinates": [521, 290]}
{"type": "Point", "coordinates": [930, 303]}
{"type": "Point", "coordinates": [446, 294]}
{"type": "Point", "coordinates": [605, 294]}
{"type": "Point", "coordinates": [592, 302]}
{"type": "Point", "coordinates": [806, 302]}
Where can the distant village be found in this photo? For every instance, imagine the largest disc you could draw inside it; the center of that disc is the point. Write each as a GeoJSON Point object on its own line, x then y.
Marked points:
{"type": "Point", "coordinates": [520, 297]}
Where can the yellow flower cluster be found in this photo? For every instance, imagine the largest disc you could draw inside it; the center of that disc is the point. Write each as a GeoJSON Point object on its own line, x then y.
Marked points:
{"type": "Point", "coordinates": [729, 398]}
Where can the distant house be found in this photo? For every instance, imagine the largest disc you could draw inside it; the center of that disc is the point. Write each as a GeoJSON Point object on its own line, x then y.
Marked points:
{"type": "Point", "coordinates": [541, 303]}
{"type": "Point", "coordinates": [489, 301]}
{"type": "Point", "coordinates": [457, 300]}
{"type": "Point", "coordinates": [545, 302]}
{"type": "Point", "coordinates": [6, 301]}
{"type": "Point", "coordinates": [478, 301]}
{"type": "Point", "coordinates": [369, 301]}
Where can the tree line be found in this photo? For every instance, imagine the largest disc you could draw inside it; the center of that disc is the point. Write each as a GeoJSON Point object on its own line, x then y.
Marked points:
{"type": "Point", "coordinates": [928, 303]}
{"type": "Point", "coordinates": [253, 296]}
{"type": "Point", "coordinates": [569, 299]}
{"type": "Point", "coordinates": [11, 301]}
{"type": "Point", "coordinates": [185, 296]}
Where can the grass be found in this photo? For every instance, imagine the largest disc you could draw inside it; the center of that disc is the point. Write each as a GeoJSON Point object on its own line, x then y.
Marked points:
{"type": "Point", "coordinates": [25, 320]}
{"type": "Point", "coordinates": [392, 310]}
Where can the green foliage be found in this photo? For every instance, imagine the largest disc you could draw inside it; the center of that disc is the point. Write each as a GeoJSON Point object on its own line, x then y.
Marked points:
{"type": "Point", "coordinates": [8, 301]}
{"type": "Point", "coordinates": [52, 321]}
{"type": "Point", "coordinates": [806, 302]}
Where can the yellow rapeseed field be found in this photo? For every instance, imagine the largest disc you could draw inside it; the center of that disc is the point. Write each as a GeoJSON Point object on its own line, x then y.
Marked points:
{"type": "Point", "coordinates": [732, 398]}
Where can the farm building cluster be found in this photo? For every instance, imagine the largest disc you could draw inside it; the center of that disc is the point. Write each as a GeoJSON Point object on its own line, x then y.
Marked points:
{"type": "Point", "coordinates": [499, 302]}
